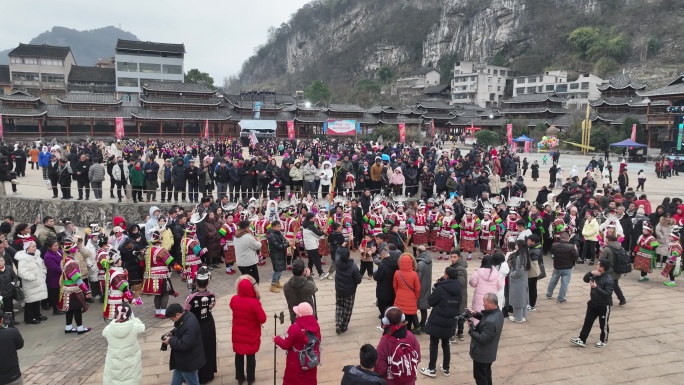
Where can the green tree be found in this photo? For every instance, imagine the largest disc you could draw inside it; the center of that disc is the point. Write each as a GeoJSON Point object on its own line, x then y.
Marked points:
{"type": "Point", "coordinates": [195, 76]}
{"type": "Point", "coordinates": [318, 92]}
{"type": "Point", "coordinates": [385, 75]}
{"type": "Point", "coordinates": [499, 60]}
{"type": "Point", "coordinates": [390, 133]}
{"type": "Point", "coordinates": [583, 38]}
{"type": "Point", "coordinates": [487, 138]}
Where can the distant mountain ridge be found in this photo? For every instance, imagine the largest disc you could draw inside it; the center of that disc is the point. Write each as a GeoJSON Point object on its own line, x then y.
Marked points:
{"type": "Point", "coordinates": [87, 46]}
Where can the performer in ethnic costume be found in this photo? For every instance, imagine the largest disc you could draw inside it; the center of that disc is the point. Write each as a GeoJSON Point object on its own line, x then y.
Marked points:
{"type": "Point", "coordinates": [419, 236]}
{"type": "Point", "coordinates": [102, 258]}
{"type": "Point", "coordinates": [261, 227]}
{"type": "Point", "coordinates": [117, 289]}
{"type": "Point", "coordinates": [292, 226]}
{"type": "Point", "coordinates": [432, 223]}
{"type": "Point", "coordinates": [73, 290]}
{"type": "Point", "coordinates": [511, 228]}
{"type": "Point", "coordinates": [227, 232]}
{"type": "Point", "coordinates": [192, 254]}
{"type": "Point", "coordinates": [399, 218]}
{"type": "Point", "coordinates": [156, 277]}
{"type": "Point", "coordinates": [644, 252]}
{"type": "Point", "coordinates": [674, 252]}
{"type": "Point", "coordinates": [344, 219]}
{"type": "Point", "coordinates": [470, 229]}
{"type": "Point", "coordinates": [373, 220]}
{"type": "Point", "coordinates": [201, 303]}
{"type": "Point", "coordinates": [559, 225]}
{"type": "Point", "coordinates": [446, 236]}
{"type": "Point", "coordinates": [321, 221]}
{"type": "Point", "coordinates": [487, 233]}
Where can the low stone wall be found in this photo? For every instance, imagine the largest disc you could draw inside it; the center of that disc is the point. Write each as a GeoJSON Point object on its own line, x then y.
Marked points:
{"type": "Point", "coordinates": [81, 213]}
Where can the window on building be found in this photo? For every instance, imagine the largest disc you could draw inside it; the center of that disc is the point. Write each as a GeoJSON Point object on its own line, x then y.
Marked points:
{"type": "Point", "coordinates": [531, 90]}
{"type": "Point", "coordinates": [52, 78]}
{"type": "Point", "coordinates": [574, 86]}
{"type": "Point", "coordinates": [25, 76]}
{"type": "Point", "coordinates": [520, 80]}
{"type": "Point", "coordinates": [498, 88]}
{"type": "Point", "coordinates": [489, 70]}
{"type": "Point", "coordinates": [30, 60]}
{"type": "Point", "coordinates": [549, 87]}
{"type": "Point", "coordinates": [489, 79]}
{"type": "Point", "coordinates": [496, 72]}
{"type": "Point", "coordinates": [473, 78]}
{"type": "Point", "coordinates": [520, 90]}
{"type": "Point", "coordinates": [539, 89]}
{"type": "Point", "coordinates": [52, 62]}
{"type": "Point", "coordinates": [532, 79]}
{"type": "Point", "coordinates": [562, 88]}
{"type": "Point", "coordinates": [457, 72]}
{"type": "Point", "coordinates": [150, 68]}
{"type": "Point", "coordinates": [127, 82]}
{"type": "Point", "coordinates": [504, 73]}
{"type": "Point", "coordinates": [489, 87]}
{"type": "Point", "coordinates": [492, 96]}
{"type": "Point", "coordinates": [541, 78]}
{"type": "Point", "coordinates": [127, 66]}
{"type": "Point", "coordinates": [585, 85]}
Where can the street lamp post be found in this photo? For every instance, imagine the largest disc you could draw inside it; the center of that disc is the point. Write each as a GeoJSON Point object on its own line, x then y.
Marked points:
{"type": "Point", "coordinates": [648, 126]}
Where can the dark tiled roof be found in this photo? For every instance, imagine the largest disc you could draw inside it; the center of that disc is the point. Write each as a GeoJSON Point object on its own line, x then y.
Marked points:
{"type": "Point", "coordinates": [150, 46]}
{"type": "Point", "coordinates": [40, 50]}
{"type": "Point", "coordinates": [676, 87]}
{"type": "Point", "coordinates": [87, 98]}
{"type": "Point", "coordinates": [540, 110]}
{"type": "Point", "coordinates": [346, 108]}
{"type": "Point", "coordinates": [433, 105]}
{"type": "Point", "coordinates": [92, 75]}
{"type": "Point", "coordinates": [464, 106]}
{"type": "Point", "coordinates": [181, 101]}
{"type": "Point", "coordinates": [59, 111]}
{"type": "Point", "coordinates": [93, 88]}
{"type": "Point", "coordinates": [438, 116]}
{"type": "Point", "coordinates": [619, 121]}
{"type": "Point", "coordinates": [627, 101]}
{"type": "Point", "coordinates": [402, 119]}
{"type": "Point", "coordinates": [535, 98]}
{"type": "Point", "coordinates": [26, 112]}
{"type": "Point", "coordinates": [318, 118]}
{"type": "Point", "coordinates": [621, 82]}
{"type": "Point", "coordinates": [562, 121]}
{"type": "Point", "coordinates": [383, 109]}
{"type": "Point", "coordinates": [182, 115]}
{"type": "Point", "coordinates": [368, 119]}
{"type": "Point", "coordinates": [606, 117]}
{"type": "Point", "coordinates": [190, 88]}
{"type": "Point", "coordinates": [4, 74]}
{"type": "Point", "coordinates": [19, 96]}
{"type": "Point", "coordinates": [437, 89]}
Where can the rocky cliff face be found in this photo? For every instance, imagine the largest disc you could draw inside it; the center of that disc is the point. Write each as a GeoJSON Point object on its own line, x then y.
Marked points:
{"type": "Point", "coordinates": [343, 40]}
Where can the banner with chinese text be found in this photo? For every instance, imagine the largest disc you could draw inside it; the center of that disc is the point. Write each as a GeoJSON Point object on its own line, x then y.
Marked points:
{"type": "Point", "coordinates": [119, 128]}
{"type": "Point", "coordinates": [290, 130]}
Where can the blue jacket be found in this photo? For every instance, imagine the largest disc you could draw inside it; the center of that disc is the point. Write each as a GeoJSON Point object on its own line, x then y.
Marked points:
{"type": "Point", "coordinates": [44, 157]}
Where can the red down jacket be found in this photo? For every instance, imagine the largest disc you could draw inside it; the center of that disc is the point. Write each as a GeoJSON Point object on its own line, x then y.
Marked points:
{"type": "Point", "coordinates": [248, 316]}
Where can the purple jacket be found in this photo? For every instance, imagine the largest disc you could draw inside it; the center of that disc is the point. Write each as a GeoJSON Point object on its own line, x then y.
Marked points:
{"type": "Point", "coordinates": [53, 262]}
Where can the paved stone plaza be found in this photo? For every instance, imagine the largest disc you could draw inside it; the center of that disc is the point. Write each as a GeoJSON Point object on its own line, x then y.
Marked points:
{"type": "Point", "coordinates": [644, 344]}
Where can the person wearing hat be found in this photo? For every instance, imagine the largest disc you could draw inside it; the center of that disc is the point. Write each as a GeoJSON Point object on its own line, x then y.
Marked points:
{"type": "Point", "coordinates": [116, 283]}
{"type": "Point", "coordinates": [201, 303]}
{"type": "Point", "coordinates": [192, 177]}
{"type": "Point", "coordinates": [645, 252]}
{"type": "Point", "coordinates": [297, 176]}
{"type": "Point", "coordinates": [187, 348]}
{"type": "Point", "coordinates": [123, 362]}
{"type": "Point", "coordinates": [394, 333]}
{"type": "Point", "coordinates": [74, 290]}
{"type": "Point", "coordinates": [137, 179]}
{"type": "Point", "coordinates": [64, 178]}
{"type": "Point", "coordinates": [156, 276]}
{"type": "Point", "coordinates": [294, 340]}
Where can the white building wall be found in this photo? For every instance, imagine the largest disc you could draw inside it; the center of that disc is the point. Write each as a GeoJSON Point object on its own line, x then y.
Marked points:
{"type": "Point", "coordinates": [138, 59]}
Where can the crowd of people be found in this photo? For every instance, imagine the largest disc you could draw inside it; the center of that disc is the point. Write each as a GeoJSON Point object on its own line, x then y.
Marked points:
{"type": "Point", "coordinates": [399, 206]}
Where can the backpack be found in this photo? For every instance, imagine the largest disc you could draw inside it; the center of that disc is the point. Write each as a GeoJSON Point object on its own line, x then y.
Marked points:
{"type": "Point", "coordinates": [309, 356]}
{"type": "Point", "coordinates": [402, 365]}
{"type": "Point", "coordinates": [621, 263]}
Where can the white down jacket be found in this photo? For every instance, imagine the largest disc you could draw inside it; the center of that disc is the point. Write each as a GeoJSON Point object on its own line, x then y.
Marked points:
{"type": "Point", "coordinates": [32, 272]}
{"type": "Point", "coordinates": [123, 364]}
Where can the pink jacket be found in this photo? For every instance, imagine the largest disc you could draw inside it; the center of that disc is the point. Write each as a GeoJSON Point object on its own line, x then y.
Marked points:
{"type": "Point", "coordinates": [397, 177]}
{"type": "Point", "coordinates": [484, 280]}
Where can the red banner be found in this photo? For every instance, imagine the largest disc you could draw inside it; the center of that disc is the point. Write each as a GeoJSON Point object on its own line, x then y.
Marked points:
{"type": "Point", "coordinates": [633, 133]}
{"type": "Point", "coordinates": [509, 133]}
{"type": "Point", "coordinates": [206, 129]}
{"type": "Point", "coordinates": [290, 130]}
{"type": "Point", "coordinates": [118, 128]}
{"type": "Point", "coordinates": [402, 132]}
{"type": "Point", "coordinates": [527, 146]}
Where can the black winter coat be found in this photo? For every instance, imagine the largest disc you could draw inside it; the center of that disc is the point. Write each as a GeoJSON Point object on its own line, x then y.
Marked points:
{"type": "Point", "coordinates": [384, 276]}
{"type": "Point", "coordinates": [10, 342]}
{"type": "Point", "coordinates": [444, 300]}
{"type": "Point", "coordinates": [187, 351]}
{"type": "Point", "coordinates": [356, 375]}
{"type": "Point", "coordinates": [277, 246]}
{"type": "Point", "coordinates": [7, 280]}
{"type": "Point", "coordinates": [602, 294]}
{"type": "Point", "coordinates": [347, 275]}
{"type": "Point", "coordinates": [178, 176]}
{"type": "Point", "coordinates": [484, 337]}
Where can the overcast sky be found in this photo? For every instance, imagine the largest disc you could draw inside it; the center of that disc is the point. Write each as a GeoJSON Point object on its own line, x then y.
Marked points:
{"type": "Point", "coordinates": [219, 35]}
